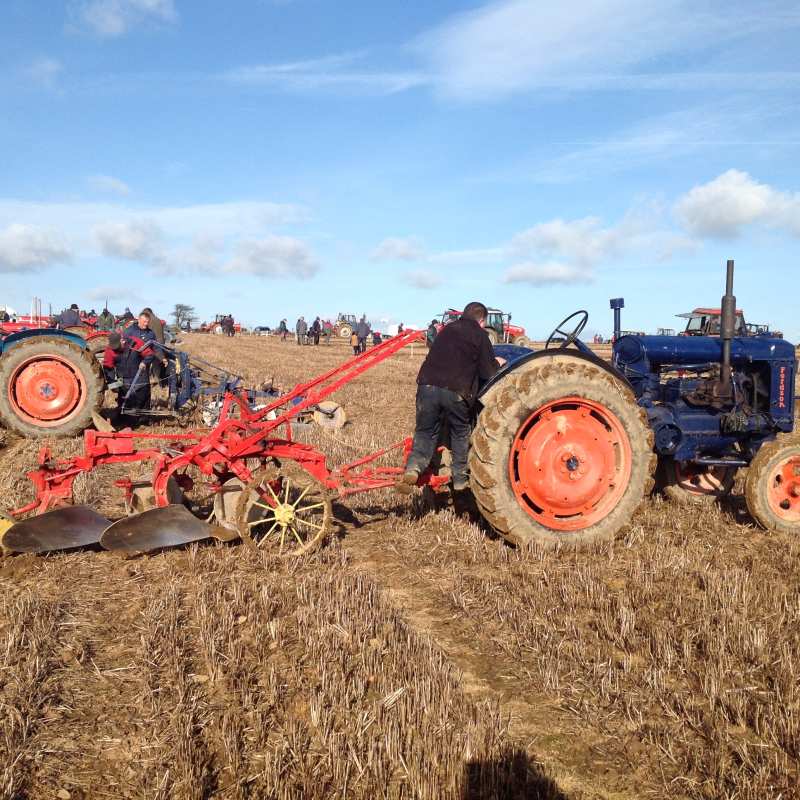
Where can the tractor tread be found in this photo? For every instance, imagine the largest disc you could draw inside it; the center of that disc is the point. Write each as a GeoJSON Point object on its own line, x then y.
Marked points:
{"type": "Point", "coordinates": [81, 358]}
{"type": "Point", "coordinates": [756, 482]}
{"type": "Point", "coordinates": [510, 405]}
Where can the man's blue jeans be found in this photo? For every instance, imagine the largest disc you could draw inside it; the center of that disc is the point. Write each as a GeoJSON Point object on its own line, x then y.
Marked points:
{"type": "Point", "coordinates": [434, 406]}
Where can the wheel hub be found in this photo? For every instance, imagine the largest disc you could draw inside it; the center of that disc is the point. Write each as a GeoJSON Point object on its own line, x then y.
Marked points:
{"type": "Point", "coordinates": [784, 489]}
{"type": "Point", "coordinates": [284, 514]}
{"type": "Point", "coordinates": [46, 389]}
{"type": "Point", "coordinates": [570, 463]}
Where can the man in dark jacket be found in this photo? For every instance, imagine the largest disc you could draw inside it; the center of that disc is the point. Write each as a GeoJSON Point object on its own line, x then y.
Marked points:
{"type": "Point", "coordinates": [125, 364]}
{"type": "Point", "coordinates": [430, 334]}
{"type": "Point", "coordinates": [69, 317]}
{"type": "Point", "coordinates": [138, 358]}
{"type": "Point", "coordinates": [460, 357]}
{"type": "Point", "coordinates": [362, 330]}
{"type": "Point", "coordinates": [316, 330]}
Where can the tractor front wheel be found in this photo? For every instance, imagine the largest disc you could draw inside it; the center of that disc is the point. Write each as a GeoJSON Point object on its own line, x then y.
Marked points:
{"type": "Point", "coordinates": [694, 485]}
{"type": "Point", "coordinates": [562, 454]}
{"type": "Point", "coordinates": [49, 387]}
{"type": "Point", "coordinates": [772, 485]}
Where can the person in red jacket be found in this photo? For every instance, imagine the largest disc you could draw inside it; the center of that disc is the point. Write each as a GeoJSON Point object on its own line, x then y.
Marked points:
{"type": "Point", "coordinates": [125, 365]}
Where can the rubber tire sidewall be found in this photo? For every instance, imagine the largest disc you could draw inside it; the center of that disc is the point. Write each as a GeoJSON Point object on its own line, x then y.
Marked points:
{"type": "Point", "coordinates": [506, 411]}
{"type": "Point", "coordinates": [81, 359]}
{"type": "Point", "coordinates": [755, 484]}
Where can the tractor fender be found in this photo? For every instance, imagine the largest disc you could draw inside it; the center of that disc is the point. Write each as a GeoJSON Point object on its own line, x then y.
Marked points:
{"type": "Point", "coordinates": [22, 336]}
{"type": "Point", "coordinates": [520, 358]}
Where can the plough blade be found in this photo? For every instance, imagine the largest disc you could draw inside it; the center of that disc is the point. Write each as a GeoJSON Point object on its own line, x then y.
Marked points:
{"type": "Point", "coordinates": [62, 529]}
{"type": "Point", "coordinates": [155, 529]}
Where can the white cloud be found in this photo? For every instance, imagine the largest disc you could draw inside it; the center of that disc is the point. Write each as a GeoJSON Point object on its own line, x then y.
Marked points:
{"type": "Point", "coordinates": [45, 71]}
{"type": "Point", "coordinates": [396, 248]}
{"type": "Point", "coordinates": [275, 257]}
{"type": "Point", "coordinates": [101, 294]}
{"type": "Point", "coordinates": [547, 273]}
{"type": "Point", "coordinates": [734, 200]}
{"type": "Point", "coordinates": [581, 241]}
{"type": "Point", "coordinates": [514, 45]}
{"type": "Point", "coordinates": [29, 247]}
{"type": "Point", "coordinates": [485, 255]}
{"type": "Point", "coordinates": [110, 18]}
{"type": "Point", "coordinates": [330, 72]}
{"type": "Point", "coordinates": [233, 219]}
{"type": "Point", "coordinates": [138, 240]}
{"type": "Point", "coordinates": [109, 184]}
{"type": "Point", "coordinates": [422, 279]}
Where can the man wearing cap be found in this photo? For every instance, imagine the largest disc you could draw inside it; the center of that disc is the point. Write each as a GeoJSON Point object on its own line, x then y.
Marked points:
{"type": "Point", "coordinates": [69, 317]}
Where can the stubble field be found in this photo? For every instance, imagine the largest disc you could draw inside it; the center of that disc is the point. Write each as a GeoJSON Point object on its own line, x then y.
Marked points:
{"type": "Point", "coordinates": [415, 656]}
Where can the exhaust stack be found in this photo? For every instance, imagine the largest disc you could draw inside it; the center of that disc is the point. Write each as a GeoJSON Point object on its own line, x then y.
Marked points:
{"type": "Point", "coordinates": [727, 330]}
{"type": "Point", "coordinates": [617, 304]}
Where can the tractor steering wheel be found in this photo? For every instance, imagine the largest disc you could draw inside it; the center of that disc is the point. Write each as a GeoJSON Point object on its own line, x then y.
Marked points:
{"type": "Point", "coordinates": [572, 337]}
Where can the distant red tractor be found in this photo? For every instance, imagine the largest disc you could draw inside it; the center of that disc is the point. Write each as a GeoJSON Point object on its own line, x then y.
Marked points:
{"type": "Point", "coordinates": [706, 322]}
{"type": "Point", "coordinates": [498, 327]}
{"type": "Point", "coordinates": [218, 325]}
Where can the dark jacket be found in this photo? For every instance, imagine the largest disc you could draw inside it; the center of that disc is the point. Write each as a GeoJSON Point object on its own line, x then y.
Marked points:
{"type": "Point", "coordinates": [69, 318]}
{"type": "Point", "coordinates": [139, 337]}
{"type": "Point", "coordinates": [460, 357]}
{"type": "Point", "coordinates": [363, 328]}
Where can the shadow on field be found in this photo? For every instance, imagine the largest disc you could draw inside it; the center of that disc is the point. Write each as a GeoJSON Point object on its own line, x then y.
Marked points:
{"type": "Point", "coordinates": [512, 777]}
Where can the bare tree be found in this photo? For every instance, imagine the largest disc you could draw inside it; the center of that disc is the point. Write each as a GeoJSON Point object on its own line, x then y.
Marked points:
{"type": "Point", "coordinates": [184, 316]}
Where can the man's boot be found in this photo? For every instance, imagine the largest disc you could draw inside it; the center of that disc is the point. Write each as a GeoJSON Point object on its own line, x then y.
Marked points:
{"type": "Point", "coordinates": [407, 482]}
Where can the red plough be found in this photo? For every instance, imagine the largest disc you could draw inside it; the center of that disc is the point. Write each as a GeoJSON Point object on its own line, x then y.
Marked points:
{"type": "Point", "coordinates": [244, 477]}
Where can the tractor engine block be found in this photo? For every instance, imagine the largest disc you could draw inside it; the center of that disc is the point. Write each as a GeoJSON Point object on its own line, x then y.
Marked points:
{"type": "Point", "coordinates": [676, 380]}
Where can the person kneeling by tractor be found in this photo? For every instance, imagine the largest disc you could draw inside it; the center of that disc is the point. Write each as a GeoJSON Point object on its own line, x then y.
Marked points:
{"type": "Point", "coordinates": [447, 384]}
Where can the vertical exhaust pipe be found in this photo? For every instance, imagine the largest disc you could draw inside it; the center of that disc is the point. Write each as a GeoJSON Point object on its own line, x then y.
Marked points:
{"type": "Point", "coordinates": [727, 330]}
{"type": "Point", "coordinates": [617, 304]}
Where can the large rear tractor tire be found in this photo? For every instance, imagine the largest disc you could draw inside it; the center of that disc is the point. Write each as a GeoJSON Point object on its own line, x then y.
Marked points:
{"type": "Point", "coordinates": [561, 454]}
{"type": "Point", "coordinates": [772, 485]}
{"type": "Point", "coordinates": [494, 336]}
{"type": "Point", "coordinates": [690, 485]}
{"type": "Point", "coordinates": [345, 331]}
{"type": "Point", "coordinates": [49, 387]}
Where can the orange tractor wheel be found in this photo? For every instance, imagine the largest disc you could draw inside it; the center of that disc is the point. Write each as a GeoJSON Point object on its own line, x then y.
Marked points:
{"type": "Point", "coordinates": [561, 454]}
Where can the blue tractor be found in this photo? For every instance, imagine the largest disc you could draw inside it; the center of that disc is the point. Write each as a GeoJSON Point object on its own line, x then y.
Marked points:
{"type": "Point", "coordinates": [51, 383]}
{"type": "Point", "coordinates": [566, 445]}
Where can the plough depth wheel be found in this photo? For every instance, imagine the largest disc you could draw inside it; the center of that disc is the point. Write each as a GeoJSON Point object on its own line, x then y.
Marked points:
{"type": "Point", "coordinates": [285, 508]}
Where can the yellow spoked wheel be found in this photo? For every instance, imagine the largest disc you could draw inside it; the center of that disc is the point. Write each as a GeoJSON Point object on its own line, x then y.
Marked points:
{"type": "Point", "coordinates": [284, 509]}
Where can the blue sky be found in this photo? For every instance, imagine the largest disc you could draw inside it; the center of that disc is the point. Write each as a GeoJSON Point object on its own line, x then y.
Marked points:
{"type": "Point", "coordinates": [275, 157]}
